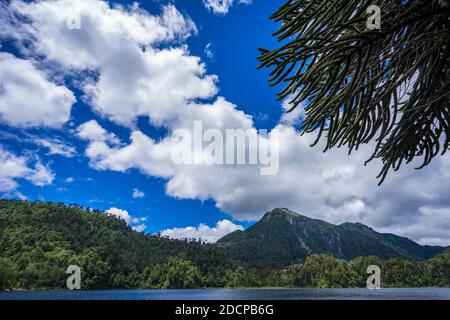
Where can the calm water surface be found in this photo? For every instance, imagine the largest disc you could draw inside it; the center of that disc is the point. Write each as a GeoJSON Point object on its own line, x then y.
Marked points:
{"type": "Point", "coordinates": [234, 294]}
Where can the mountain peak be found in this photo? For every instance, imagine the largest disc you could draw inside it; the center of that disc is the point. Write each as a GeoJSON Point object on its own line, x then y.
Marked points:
{"type": "Point", "coordinates": [281, 212]}
{"type": "Point", "coordinates": [283, 237]}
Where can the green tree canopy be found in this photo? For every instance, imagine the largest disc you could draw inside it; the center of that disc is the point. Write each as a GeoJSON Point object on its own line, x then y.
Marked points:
{"type": "Point", "coordinates": [320, 271]}
{"type": "Point", "coordinates": [390, 85]}
{"type": "Point", "coordinates": [175, 273]}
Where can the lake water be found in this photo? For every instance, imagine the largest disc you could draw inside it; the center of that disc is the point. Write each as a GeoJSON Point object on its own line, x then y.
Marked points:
{"type": "Point", "coordinates": [235, 294]}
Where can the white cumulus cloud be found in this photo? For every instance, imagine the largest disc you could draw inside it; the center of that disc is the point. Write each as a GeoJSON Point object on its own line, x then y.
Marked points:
{"type": "Point", "coordinates": [119, 213]}
{"type": "Point", "coordinates": [134, 222]}
{"type": "Point", "coordinates": [203, 231]}
{"type": "Point", "coordinates": [28, 98]}
{"type": "Point", "coordinates": [122, 46]}
{"type": "Point", "coordinates": [13, 168]}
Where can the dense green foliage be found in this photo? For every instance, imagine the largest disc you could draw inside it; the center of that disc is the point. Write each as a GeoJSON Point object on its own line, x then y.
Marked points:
{"type": "Point", "coordinates": [282, 238]}
{"type": "Point", "coordinates": [174, 273]}
{"type": "Point", "coordinates": [389, 85]}
{"type": "Point", "coordinates": [322, 270]}
{"type": "Point", "coordinates": [38, 241]}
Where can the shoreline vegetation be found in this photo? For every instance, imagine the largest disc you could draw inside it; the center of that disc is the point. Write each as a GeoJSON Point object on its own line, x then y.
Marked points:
{"type": "Point", "coordinates": [57, 290]}
{"type": "Point", "coordinates": [38, 241]}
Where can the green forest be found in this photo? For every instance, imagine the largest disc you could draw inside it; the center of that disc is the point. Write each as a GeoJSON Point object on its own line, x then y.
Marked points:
{"type": "Point", "coordinates": [38, 241]}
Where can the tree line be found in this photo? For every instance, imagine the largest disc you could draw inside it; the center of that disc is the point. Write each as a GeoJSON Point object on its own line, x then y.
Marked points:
{"type": "Point", "coordinates": [38, 241]}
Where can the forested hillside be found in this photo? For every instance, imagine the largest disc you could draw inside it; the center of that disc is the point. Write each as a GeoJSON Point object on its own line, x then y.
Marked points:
{"type": "Point", "coordinates": [283, 237]}
{"type": "Point", "coordinates": [38, 241]}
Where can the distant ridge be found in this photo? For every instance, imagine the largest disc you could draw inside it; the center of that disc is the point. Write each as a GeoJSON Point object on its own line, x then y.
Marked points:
{"type": "Point", "coordinates": [283, 237]}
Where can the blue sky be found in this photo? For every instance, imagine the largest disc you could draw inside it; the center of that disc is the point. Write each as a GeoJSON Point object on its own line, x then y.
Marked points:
{"type": "Point", "coordinates": [85, 114]}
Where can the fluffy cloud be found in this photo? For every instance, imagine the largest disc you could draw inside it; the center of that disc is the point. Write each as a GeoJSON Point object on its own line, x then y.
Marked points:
{"type": "Point", "coordinates": [154, 157]}
{"type": "Point", "coordinates": [13, 167]}
{"type": "Point", "coordinates": [104, 155]}
{"type": "Point", "coordinates": [119, 213]}
{"type": "Point", "coordinates": [222, 6]}
{"type": "Point", "coordinates": [92, 131]}
{"type": "Point", "coordinates": [203, 231]}
{"type": "Point", "coordinates": [27, 98]}
{"type": "Point", "coordinates": [41, 175]}
{"type": "Point", "coordinates": [91, 45]}
{"type": "Point", "coordinates": [137, 194]}
{"type": "Point", "coordinates": [121, 46]}
{"type": "Point", "coordinates": [134, 222]}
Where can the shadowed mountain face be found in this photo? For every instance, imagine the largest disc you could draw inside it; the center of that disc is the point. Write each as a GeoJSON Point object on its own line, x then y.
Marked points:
{"type": "Point", "coordinates": [283, 237]}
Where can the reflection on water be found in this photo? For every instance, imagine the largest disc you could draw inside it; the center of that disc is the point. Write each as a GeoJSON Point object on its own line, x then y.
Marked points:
{"type": "Point", "coordinates": [234, 294]}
